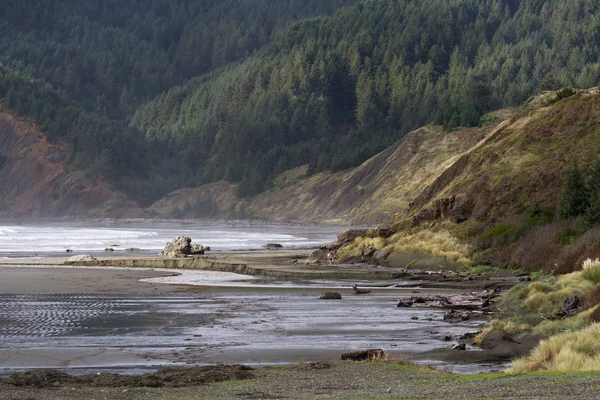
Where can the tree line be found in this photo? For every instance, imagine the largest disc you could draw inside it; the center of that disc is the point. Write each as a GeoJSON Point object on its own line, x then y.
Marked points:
{"type": "Point", "coordinates": [160, 94]}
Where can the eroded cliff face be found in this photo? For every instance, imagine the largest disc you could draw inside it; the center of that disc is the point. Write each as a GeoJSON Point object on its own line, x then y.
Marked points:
{"type": "Point", "coordinates": [34, 183]}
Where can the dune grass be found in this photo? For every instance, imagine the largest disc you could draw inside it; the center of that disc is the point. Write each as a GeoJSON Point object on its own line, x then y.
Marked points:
{"type": "Point", "coordinates": [439, 243]}
{"type": "Point", "coordinates": [572, 351]}
{"type": "Point", "coordinates": [532, 307]}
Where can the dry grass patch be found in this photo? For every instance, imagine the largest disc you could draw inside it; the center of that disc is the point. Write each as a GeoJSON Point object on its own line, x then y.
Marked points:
{"type": "Point", "coordinates": [440, 244]}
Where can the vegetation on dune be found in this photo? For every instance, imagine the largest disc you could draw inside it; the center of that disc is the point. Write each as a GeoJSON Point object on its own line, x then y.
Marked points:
{"type": "Point", "coordinates": [532, 309]}
{"type": "Point", "coordinates": [572, 351]}
{"type": "Point", "coordinates": [439, 243]}
{"type": "Point", "coordinates": [242, 90]}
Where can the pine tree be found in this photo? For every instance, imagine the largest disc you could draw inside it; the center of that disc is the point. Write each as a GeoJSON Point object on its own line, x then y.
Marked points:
{"type": "Point", "coordinates": [575, 199]}
{"type": "Point", "coordinates": [592, 214]}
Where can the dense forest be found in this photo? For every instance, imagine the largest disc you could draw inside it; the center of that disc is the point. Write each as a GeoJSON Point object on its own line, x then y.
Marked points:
{"type": "Point", "coordinates": [161, 94]}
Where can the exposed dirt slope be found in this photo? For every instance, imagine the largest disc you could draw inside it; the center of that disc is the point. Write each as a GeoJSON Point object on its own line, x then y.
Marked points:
{"type": "Point", "coordinates": [372, 193]}
{"type": "Point", "coordinates": [33, 182]}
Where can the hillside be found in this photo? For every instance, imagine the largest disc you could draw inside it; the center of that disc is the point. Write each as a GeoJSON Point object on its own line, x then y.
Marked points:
{"type": "Point", "coordinates": [371, 193]}
{"type": "Point", "coordinates": [500, 202]}
{"type": "Point", "coordinates": [160, 95]}
{"type": "Point", "coordinates": [34, 182]}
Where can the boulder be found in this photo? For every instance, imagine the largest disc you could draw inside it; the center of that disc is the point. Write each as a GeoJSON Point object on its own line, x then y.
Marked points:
{"type": "Point", "coordinates": [83, 257]}
{"type": "Point", "coordinates": [178, 247]}
{"type": "Point", "coordinates": [109, 249]}
{"type": "Point", "coordinates": [368, 252]}
{"type": "Point", "coordinates": [197, 249]}
{"type": "Point", "coordinates": [381, 255]}
{"type": "Point", "coordinates": [330, 296]}
{"type": "Point", "coordinates": [272, 246]}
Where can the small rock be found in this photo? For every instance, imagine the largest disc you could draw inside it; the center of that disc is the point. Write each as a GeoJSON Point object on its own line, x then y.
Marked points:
{"type": "Point", "coordinates": [459, 346]}
{"type": "Point", "coordinates": [133, 249]}
{"type": "Point", "coordinates": [69, 251]}
{"type": "Point", "coordinates": [447, 338]}
{"type": "Point", "coordinates": [330, 296]}
{"type": "Point", "coordinates": [414, 317]}
{"type": "Point", "coordinates": [272, 246]}
{"type": "Point", "coordinates": [109, 249]}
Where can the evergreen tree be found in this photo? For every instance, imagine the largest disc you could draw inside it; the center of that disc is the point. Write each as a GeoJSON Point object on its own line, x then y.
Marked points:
{"type": "Point", "coordinates": [575, 198]}
{"type": "Point", "coordinates": [592, 214]}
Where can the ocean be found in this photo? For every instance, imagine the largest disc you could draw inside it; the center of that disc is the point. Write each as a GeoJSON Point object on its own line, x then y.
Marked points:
{"type": "Point", "coordinates": [54, 237]}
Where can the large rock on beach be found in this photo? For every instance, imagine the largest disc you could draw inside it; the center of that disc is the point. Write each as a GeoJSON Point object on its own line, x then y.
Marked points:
{"type": "Point", "coordinates": [83, 257]}
{"type": "Point", "coordinates": [182, 246]}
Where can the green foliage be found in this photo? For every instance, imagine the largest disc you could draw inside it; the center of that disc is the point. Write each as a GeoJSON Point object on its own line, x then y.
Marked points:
{"type": "Point", "coordinates": [539, 214]}
{"type": "Point", "coordinates": [158, 95]}
{"type": "Point", "coordinates": [563, 94]}
{"type": "Point", "coordinates": [501, 235]}
{"type": "Point", "coordinates": [567, 235]}
{"type": "Point", "coordinates": [535, 275]}
{"type": "Point", "coordinates": [592, 274]}
{"type": "Point", "coordinates": [592, 214]}
{"type": "Point", "coordinates": [575, 198]}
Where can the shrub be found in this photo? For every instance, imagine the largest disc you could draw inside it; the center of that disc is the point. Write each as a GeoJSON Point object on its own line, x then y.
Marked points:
{"type": "Point", "coordinates": [567, 235]}
{"type": "Point", "coordinates": [538, 215]}
{"type": "Point", "coordinates": [564, 93]}
{"type": "Point", "coordinates": [501, 235]}
{"type": "Point", "coordinates": [591, 270]}
{"type": "Point", "coordinates": [575, 198]}
{"type": "Point", "coordinates": [536, 248]}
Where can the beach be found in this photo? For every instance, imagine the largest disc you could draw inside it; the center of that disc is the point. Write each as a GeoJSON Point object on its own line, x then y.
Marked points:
{"type": "Point", "coordinates": [132, 321]}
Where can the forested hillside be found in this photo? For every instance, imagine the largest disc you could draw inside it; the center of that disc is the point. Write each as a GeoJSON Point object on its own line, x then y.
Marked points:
{"type": "Point", "coordinates": [163, 94]}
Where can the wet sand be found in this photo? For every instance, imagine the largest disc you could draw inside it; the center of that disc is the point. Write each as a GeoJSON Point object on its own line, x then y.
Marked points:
{"type": "Point", "coordinates": [115, 322]}
{"type": "Point", "coordinates": [53, 279]}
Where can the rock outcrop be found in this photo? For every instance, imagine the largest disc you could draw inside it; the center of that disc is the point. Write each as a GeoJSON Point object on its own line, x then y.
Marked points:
{"type": "Point", "coordinates": [181, 246]}
{"type": "Point", "coordinates": [454, 208]}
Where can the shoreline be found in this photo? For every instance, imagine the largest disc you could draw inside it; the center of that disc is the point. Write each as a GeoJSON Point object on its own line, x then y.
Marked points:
{"type": "Point", "coordinates": [257, 317]}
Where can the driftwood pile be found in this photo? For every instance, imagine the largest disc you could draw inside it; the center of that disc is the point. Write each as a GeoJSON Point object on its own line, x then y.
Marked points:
{"type": "Point", "coordinates": [461, 306]}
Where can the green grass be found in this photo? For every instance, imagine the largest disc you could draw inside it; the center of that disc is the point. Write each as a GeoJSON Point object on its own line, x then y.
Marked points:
{"type": "Point", "coordinates": [592, 274]}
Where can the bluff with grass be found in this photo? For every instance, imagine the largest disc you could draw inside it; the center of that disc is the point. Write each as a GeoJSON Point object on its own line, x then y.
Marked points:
{"type": "Point", "coordinates": [502, 201]}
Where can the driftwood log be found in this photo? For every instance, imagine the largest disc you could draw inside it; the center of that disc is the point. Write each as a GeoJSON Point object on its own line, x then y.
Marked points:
{"type": "Point", "coordinates": [480, 302]}
{"type": "Point", "coordinates": [359, 291]}
{"type": "Point", "coordinates": [365, 355]}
